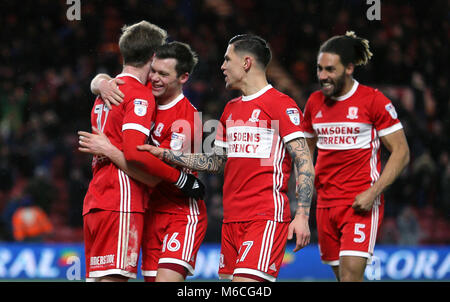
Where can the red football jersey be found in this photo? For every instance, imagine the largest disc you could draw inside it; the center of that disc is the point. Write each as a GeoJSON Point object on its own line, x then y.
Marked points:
{"type": "Point", "coordinates": [110, 188]}
{"type": "Point", "coordinates": [254, 129]}
{"type": "Point", "coordinates": [177, 126]}
{"type": "Point", "coordinates": [348, 129]}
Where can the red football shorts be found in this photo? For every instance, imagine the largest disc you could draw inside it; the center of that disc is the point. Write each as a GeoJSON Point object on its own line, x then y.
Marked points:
{"type": "Point", "coordinates": [252, 249]}
{"type": "Point", "coordinates": [171, 241]}
{"type": "Point", "coordinates": [344, 232]}
{"type": "Point", "coordinates": [112, 241]}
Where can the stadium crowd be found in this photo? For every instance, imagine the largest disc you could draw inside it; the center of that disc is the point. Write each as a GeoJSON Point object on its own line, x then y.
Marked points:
{"type": "Point", "coordinates": [48, 61]}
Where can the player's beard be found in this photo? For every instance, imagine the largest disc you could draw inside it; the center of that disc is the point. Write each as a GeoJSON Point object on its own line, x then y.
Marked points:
{"type": "Point", "coordinates": [336, 87]}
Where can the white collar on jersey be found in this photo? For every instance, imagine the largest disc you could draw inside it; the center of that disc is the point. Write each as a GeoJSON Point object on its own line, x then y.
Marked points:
{"type": "Point", "coordinates": [250, 97]}
{"type": "Point", "coordinates": [348, 94]}
{"type": "Point", "coordinates": [125, 74]}
{"type": "Point", "coordinates": [171, 103]}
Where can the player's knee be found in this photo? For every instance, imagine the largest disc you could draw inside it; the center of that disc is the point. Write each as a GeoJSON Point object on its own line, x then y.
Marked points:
{"type": "Point", "coordinates": [113, 278]}
{"type": "Point", "coordinates": [351, 272]}
{"type": "Point", "coordinates": [173, 273]}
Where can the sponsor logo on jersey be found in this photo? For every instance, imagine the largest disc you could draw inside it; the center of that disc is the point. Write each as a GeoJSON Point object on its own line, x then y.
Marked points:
{"type": "Point", "coordinates": [140, 107]}
{"type": "Point", "coordinates": [391, 109]}
{"type": "Point", "coordinates": [294, 115]}
{"type": "Point", "coordinates": [176, 141]}
{"type": "Point", "coordinates": [352, 113]}
{"type": "Point", "coordinates": [319, 114]}
{"type": "Point", "coordinates": [341, 136]}
{"type": "Point", "coordinates": [249, 142]}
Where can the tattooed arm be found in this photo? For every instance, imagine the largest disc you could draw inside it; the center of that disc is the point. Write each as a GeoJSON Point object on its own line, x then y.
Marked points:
{"type": "Point", "coordinates": [304, 174]}
{"type": "Point", "coordinates": [207, 162]}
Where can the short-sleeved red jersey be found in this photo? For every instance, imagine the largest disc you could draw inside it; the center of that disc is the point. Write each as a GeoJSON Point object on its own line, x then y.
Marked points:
{"type": "Point", "coordinates": [254, 129]}
{"type": "Point", "coordinates": [348, 129]}
{"type": "Point", "coordinates": [110, 188]}
{"type": "Point", "coordinates": [177, 126]}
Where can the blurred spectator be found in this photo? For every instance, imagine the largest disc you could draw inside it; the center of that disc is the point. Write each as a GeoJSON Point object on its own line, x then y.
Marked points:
{"type": "Point", "coordinates": [408, 227]}
{"type": "Point", "coordinates": [30, 223]}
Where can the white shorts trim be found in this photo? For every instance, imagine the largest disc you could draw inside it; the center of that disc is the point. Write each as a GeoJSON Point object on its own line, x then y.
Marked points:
{"type": "Point", "coordinates": [357, 254]}
{"type": "Point", "coordinates": [149, 273]}
{"type": "Point", "coordinates": [114, 271]}
{"type": "Point", "coordinates": [179, 262]}
{"type": "Point", "coordinates": [331, 262]}
{"type": "Point", "coordinates": [255, 273]}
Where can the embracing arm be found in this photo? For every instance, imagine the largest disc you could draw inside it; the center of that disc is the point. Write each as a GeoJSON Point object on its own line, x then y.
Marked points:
{"type": "Point", "coordinates": [208, 162]}
{"type": "Point", "coordinates": [107, 87]}
{"type": "Point", "coordinates": [304, 174]}
{"type": "Point", "coordinates": [97, 143]}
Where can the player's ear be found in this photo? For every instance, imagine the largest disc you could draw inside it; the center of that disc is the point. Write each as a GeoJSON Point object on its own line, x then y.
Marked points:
{"type": "Point", "coordinates": [349, 69]}
{"type": "Point", "coordinates": [184, 78]}
{"type": "Point", "coordinates": [248, 61]}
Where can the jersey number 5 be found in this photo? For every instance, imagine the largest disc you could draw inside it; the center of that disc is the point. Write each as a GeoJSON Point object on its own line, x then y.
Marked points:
{"type": "Point", "coordinates": [359, 232]}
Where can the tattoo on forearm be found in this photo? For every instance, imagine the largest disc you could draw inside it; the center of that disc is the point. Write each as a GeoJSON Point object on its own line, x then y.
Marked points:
{"type": "Point", "coordinates": [208, 162]}
{"type": "Point", "coordinates": [304, 172]}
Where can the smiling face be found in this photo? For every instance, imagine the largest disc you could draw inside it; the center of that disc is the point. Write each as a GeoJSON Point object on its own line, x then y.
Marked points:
{"type": "Point", "coordinates": [166, 84]}
{"type": "Point", "coordinates": [333, 76]}
{"type": "Point", "coordinates": [233, 68]}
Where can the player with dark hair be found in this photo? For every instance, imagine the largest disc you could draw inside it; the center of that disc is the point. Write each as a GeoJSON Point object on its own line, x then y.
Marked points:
{"type": "Point", "coordinates": [257, 141]}
{"type": "Point", "coordinates": [347, 121]}
{"type": "Point", "coordinates": [113, 210]}
{"type": "Point", "coordinates": [174, 225]}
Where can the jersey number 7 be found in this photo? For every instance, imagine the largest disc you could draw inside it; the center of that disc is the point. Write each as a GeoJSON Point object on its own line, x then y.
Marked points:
{"type": "Point", "coordinates": [98, 110]}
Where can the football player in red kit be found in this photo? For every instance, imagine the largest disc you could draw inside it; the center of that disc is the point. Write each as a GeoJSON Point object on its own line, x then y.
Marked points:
{"type": "Point", "coordinates": [113, 210]}
{"type": "Point", "coordinates": [258, 139]}
{"type": "Point", "coordinates": [346, 121]}
{"type": "Point", "coordinates": [174, 225]}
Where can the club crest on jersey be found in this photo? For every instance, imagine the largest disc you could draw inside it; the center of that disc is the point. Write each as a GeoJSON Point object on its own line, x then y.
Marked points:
{"type": "Point", "coordinates": [158, 129]}
{"type": "Point", "coordinates": [352, 113]}
{"type": "Point", "coordinates": [140, 107]}
{"type": "Point", "coordinates": [255, 115]}
{"type": "Point", "coordinates": [294, 115]}
{"type": "Point", "coordinates": [176, 141]}
{"type": "Point", "coordinates": [391, 109]}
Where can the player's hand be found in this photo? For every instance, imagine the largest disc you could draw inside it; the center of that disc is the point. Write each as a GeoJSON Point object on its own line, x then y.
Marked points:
{"type": "Point", "coordinates": [156, 151]}
{"type": "Point", "coordinates": [95, 143]}
{"type": "Point", "coordinates": [364, 201]}
{"type": "Point", "coordinates": [299, 226]}
{"type": "Point", "coordinates": [110, 92]}
{"type": "Point", "coordinates": [191, 186]}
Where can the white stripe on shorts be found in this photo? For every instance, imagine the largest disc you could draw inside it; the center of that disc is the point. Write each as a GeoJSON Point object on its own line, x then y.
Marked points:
{"type": "Point", "coordinates": [266, 246]}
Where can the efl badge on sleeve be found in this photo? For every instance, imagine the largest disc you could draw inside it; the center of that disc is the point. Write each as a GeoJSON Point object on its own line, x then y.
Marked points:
{"type": "Point", "coordinates": [140, 107]}
{"type": "Point", "coordinates": [391, 109]}
{"type": "Point", "coordinates": [176, 141]}
{"type": "Point", "coordinates": [294, 115]}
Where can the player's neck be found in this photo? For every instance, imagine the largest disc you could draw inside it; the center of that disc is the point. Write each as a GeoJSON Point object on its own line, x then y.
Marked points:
{"type": "Point", "coordinates": [166, 99]}
{"type": "Point", "coordinates": [253, 84]}
{"type": "Point", "coordinates": [140, 72]}
{"type": "Point", "coordinates": [347, 86]}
